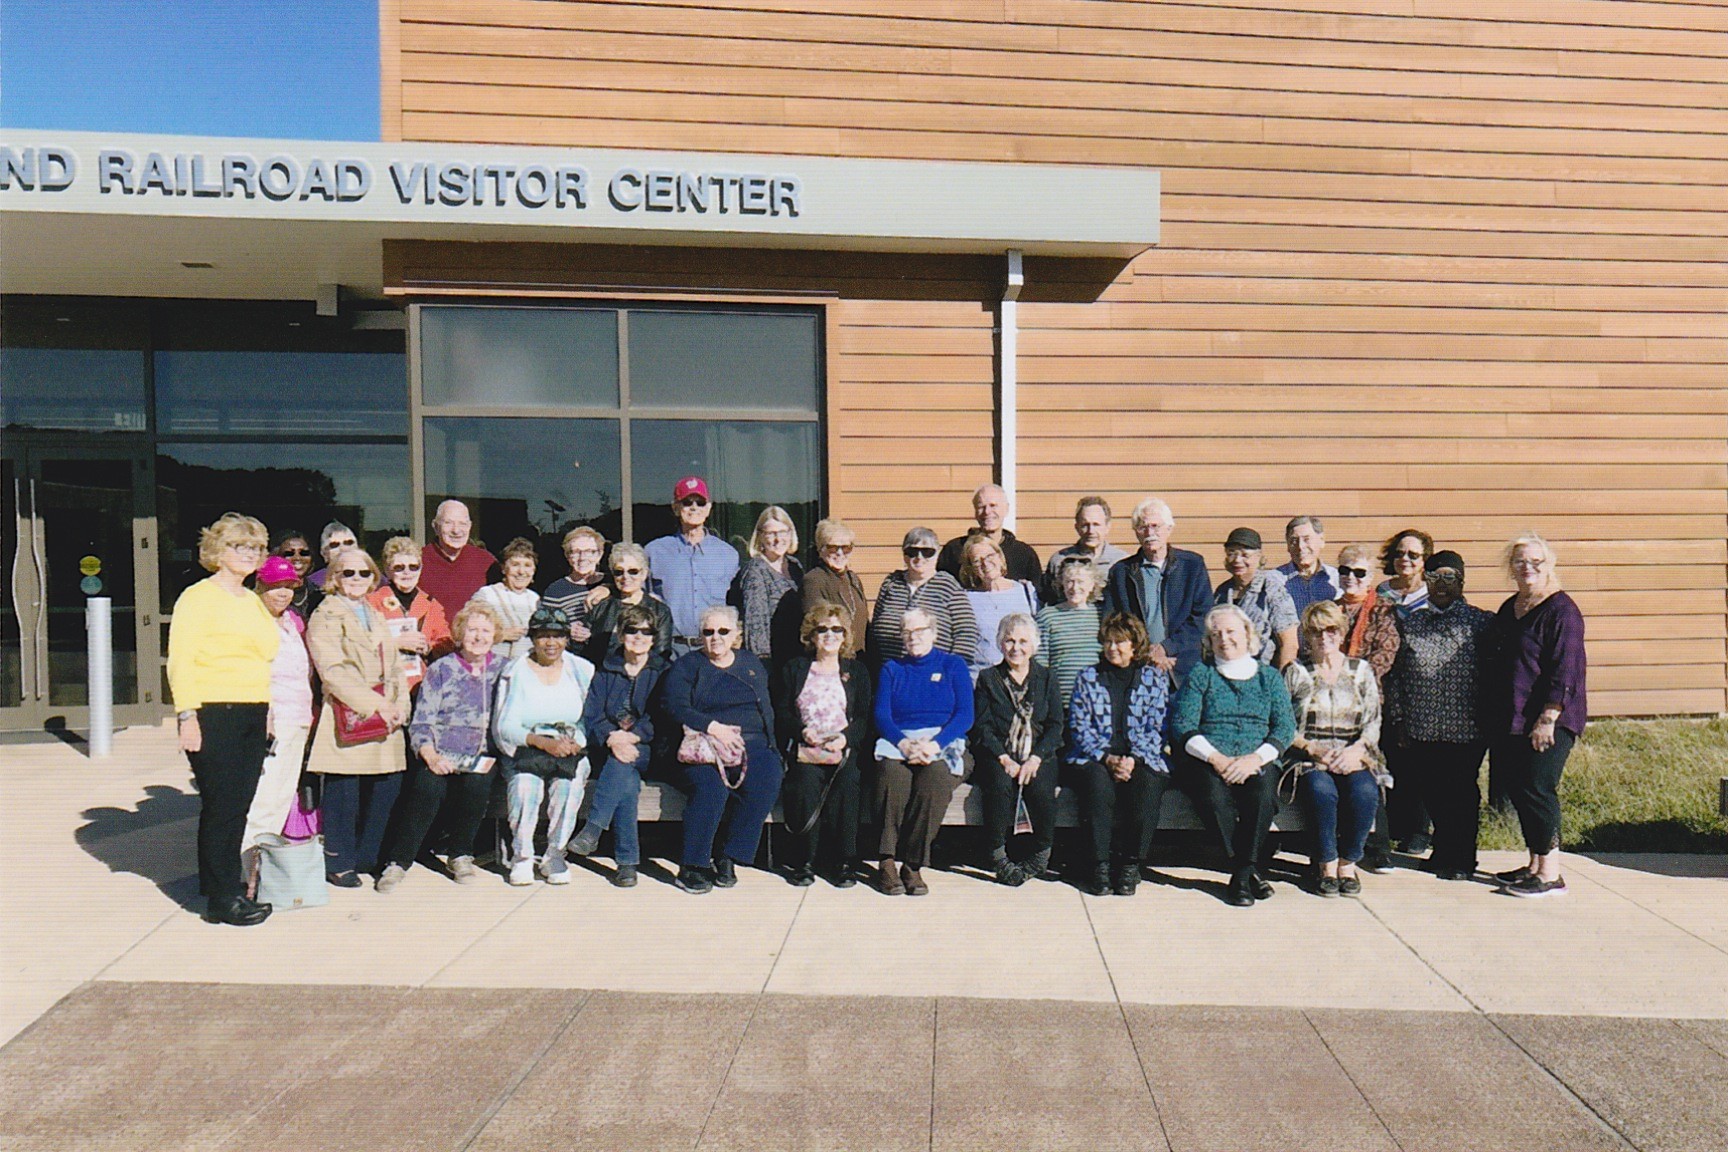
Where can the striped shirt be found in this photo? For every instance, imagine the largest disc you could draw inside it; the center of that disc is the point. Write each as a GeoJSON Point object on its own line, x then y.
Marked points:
{"type": "Point", "coordinates": [941, 596]}
{"type": "Point", "coordinates": [1067, 642]}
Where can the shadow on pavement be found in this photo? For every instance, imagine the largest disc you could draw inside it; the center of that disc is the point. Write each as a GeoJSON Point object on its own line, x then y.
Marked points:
{"type": "Point", "coordinates": [157, 840]}
{"type": "Point", "coordinates": [1690, 865]}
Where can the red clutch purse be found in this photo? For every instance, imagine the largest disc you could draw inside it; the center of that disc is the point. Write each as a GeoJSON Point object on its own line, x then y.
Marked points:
{"type": "Point", "coordinates": [353, 728]}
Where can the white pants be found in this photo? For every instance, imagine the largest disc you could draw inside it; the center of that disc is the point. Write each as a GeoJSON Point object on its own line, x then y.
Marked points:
{"type": "Point", "coordinates": [563, 799]}
{"type": "Point", "coordinates": [277, 784]}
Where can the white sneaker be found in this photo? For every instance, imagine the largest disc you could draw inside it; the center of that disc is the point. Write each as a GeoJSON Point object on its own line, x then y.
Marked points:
{"type": "Point", "coordinates": [522, 873]}
{"type": "Point", "coordinates": [463, 870]}
{"type": "Point", "coordinates": [555, 869]}
{"type": "Point", "coordinates": [389, 878]}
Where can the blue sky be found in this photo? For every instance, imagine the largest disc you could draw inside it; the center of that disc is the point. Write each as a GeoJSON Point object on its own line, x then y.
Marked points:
{"type": "Point", "coordinates": [299, 69]}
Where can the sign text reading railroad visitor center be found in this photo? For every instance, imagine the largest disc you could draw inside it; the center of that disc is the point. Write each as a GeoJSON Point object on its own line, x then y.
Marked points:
{"type": "Point", "coordinates": [347, 179]}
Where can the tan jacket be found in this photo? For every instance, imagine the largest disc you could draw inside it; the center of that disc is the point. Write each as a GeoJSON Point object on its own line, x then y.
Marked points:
{"type": "Point", "coordinates": [351, 660]}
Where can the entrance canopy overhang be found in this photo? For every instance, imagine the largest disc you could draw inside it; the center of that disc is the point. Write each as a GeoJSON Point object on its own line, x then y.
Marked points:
{"type": "Point", "coordinates": [121, 214]}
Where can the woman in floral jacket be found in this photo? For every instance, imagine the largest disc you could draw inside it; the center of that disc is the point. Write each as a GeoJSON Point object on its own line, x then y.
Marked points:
{"type": "Point", "coordinates": [1115, 754]}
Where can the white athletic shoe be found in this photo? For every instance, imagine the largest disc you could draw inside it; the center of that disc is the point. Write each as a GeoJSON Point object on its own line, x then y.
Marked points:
{"type": "Point", "coordinates": [522, 873]}
{"type": "Point", "coordinates": [555, 869]}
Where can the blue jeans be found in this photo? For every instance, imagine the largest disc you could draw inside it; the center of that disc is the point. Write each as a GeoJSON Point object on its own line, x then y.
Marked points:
{"type": "Point", "coordinates": [1326, 797]}
{"type": "Point", "coordinates": [356, 813]}
{"type": "Point", "coordinates": [613, 805]}
{"type": "Point", "coordinates": [708, 802]}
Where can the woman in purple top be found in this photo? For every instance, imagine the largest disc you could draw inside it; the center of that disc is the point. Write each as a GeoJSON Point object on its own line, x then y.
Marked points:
{"type": "Point", "coordinates": [1540, 651]}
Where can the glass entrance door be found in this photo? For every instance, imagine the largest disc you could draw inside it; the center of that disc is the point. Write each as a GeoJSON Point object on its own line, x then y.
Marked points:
{"type": "Point", "coordinates": [80, 523]}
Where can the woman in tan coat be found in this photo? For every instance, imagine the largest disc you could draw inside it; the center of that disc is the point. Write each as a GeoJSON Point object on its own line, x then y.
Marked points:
{"type": "Point", "coordinates": [355, 654]}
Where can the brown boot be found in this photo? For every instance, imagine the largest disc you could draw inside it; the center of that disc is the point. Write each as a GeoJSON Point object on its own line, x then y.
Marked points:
{"type": "Point", "coordinates": [914, 882]}
{"type": "Point", "coordinates": [888, 877]}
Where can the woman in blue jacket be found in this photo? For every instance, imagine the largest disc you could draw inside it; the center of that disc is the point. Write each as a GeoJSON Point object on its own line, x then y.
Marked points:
{"type": "Point", "coordinates": [620, 728]}
{"type": "Point", "coordinates": [1116, 754]}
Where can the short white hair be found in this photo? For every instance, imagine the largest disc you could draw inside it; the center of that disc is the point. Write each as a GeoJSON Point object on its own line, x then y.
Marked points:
{"type": "Point", "coordinates": [1152, 506]}
{"type": "Point", "coordinates": [1016, 620]}
{"type": "Point", "coordinates": [990, 487]}
{"type": "Point", "coordinates": [906, 620]}
{"type": "Point", "coordinates": [438, 513]}
{"type": "Point", "coordinates": [1219, 613]}
{"type": "Point", "coordinates": [726, 613]}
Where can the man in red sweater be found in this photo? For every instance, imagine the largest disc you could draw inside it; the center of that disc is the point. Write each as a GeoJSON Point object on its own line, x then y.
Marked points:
{"type": "Point", "coordinates": [452, 569]}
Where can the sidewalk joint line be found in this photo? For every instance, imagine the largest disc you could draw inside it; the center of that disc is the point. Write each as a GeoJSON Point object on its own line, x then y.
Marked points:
{"type": "Point", "coordinates": [1375, 1112]}
{"type": "Point", "coordinates": [504, 1097]}
{"type": "Point", "coordinates": [935, 1020]}
{"type": "Point", "coordinates": [130, 948]}
{"type": "Point", "coordinates": [803, 894]}
{"type": "Point", "coordinates": [1133, 1042]}
{"type": "Point", "coordinates": [720, 1088]}
{"type": "Point", "coordinates": [1588, 879]}
{"type": "Point", "coordinates": [475, 943]}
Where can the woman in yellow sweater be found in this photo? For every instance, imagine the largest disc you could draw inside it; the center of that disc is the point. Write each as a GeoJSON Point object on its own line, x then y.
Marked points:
{"type": "Point", "coordinates": [221, 642]}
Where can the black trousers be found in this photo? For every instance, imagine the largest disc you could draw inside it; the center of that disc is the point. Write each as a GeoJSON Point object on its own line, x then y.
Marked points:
{"type": "Point", "coordinates": [1406, 813]}
{"type": "Point", "coordinates": [461, 796]}
{"type": "Point", "coordinates": [833, 837]}
{"type": "Point", "coordinates": [1119, 817]}
{"type": "Point", "coordinates": [996, 793]}
{"type": "Point", "coordinates": [1533, 780]}
{"type": "Point", "coordinates": [1444, 776]}
{"type": "Point", "coordinates": [226, 769]}
{"type": "Point", "coordinates": [1240, 814]}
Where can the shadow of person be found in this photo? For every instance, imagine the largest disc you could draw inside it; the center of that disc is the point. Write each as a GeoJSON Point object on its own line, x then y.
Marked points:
{"type": "Point", "coordinates": [157, 840]}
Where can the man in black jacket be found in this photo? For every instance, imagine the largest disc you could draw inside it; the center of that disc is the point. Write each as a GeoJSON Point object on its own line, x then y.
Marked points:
{"type": "Point", "coordinates": [1168, 588]}
{"type": "Point", "coordinates": [990, 509]}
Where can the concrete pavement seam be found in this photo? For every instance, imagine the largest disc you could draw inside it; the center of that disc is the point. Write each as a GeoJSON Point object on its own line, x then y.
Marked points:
{"type": "Point", "coordinates": [935, 1018]}
{"type": "Point", "coordinates": [1612, 891]}
{"type": "Point", "coordinates": [475, 943]}
{"type": "Point", "coordinates": [130, 948]}
{"type": "Point", "coordinates": [1375, 1112]}
{"type": "Point", "coordinates": [522, 1074]}
{"type": "Point", "coordinates": [803, 894]}
{"type": "Point", "coordinates": [1133, 1042]}
{"type": "Point", "coordinates": [1702, 1038]}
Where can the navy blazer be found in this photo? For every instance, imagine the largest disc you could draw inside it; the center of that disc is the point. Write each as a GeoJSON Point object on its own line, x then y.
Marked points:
{"type": "Point", "coordinates": [1187, 599]}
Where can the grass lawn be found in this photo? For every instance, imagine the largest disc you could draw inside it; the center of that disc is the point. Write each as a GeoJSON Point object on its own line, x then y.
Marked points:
{"type": "Point", "coordinates": [1636, 786]}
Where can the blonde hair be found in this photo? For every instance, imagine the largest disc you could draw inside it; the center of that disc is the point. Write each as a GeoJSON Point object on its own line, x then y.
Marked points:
{"type": "Point", "coordinates": [470, 610]}
{"type": "Point", "coordinates": [1219, 613]}
{"type": "Point", "coordinates": [833, 531]}
{"type": "Point", "coordinates": [969, 577]}
{"type": "Point", "coordinates": [333, 583]}
{"type": "Point", "coordinates": [820, 613]}
{"type": "Point", "coordinates": [773, 514]}
{"type": "Point", "coordinates": [1361, 552]}
{"type": "Point", "coordinates": [1550, 561]}
{"type": "Point", "coordinates": [582, 533]}
{"type": "Point", "coordinates": [231, 530]}
{"type": "Point", "coordinates": [1322, 616]}
{"type": "Point", "coordinates": [397, 546]}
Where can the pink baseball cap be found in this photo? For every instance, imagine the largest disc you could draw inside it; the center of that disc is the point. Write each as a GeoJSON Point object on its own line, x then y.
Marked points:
{"type": "Point", "coordinates": [690, 486]}
{"type": "Point", "coordinates": [277, 572]}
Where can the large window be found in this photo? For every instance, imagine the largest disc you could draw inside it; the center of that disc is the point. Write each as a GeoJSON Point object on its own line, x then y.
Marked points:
{"type": "Point", "coordinates": [72, 365]}
{"type": "Point", "coordinates": [544, 418]}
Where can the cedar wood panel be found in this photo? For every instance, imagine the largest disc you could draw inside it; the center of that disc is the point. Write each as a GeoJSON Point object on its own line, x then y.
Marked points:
{"type": "Point", "coordinates": [1422, 262]}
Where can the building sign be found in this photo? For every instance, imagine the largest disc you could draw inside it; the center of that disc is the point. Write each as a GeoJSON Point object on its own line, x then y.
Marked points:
{"type": "Point", "coordinates": [804, 196]}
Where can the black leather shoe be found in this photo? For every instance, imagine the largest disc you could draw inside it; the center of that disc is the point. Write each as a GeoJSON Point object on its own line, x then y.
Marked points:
{"type": "Point", "coordinates": [845, 876]}
{"type": "Point", "coordinates": [801, 877]}
{"type": "Point", "coordinates": [1454, 874]}
{"type": "Point", "coordinates": [238, 911]}
{"type": "Point", "coordinates": [1098, 883]}
{"type": "Point", "coordinates": [725, 873]}
{"type": "Point", "coordinates": [693, 880]}
{"type": "Point", "coordinates": [1126, 879]}
{"type": "Point", "coordinates": [1239, 894]}
{"type": "Point", "coordinates": [1258, 887]}
{"type": "Point", "coordinates": [342, 879]}
{"type": "Point", "coordinates": [625, 876]}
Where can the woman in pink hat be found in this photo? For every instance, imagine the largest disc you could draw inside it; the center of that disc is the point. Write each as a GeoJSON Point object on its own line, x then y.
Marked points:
{"type": "Point", "coordinates": [290, 704]}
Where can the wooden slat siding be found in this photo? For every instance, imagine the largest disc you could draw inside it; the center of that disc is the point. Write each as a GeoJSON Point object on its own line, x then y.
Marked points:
{"type": "Point", "coordinates": [1477, 251]}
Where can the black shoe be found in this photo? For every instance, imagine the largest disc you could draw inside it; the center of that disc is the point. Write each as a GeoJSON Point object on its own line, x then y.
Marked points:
{"type": "Point", "coordinates": [1240, 894]}
{"type": "Point", "coordinates": [693, 880]}
{"type": "Point", "coordinates": [1455, 873]}
{"type": "Point", "coordinates": [725, 873]}
{"type": "Point", "coordinates": [1535, 887]}
{"type": "Point", "coordinates": [1258, 887]}
{"type": "Point", "coordinates": [236, 910]}
{"type": "Point", "coordinates": [845, 876]}
{"type": "Point", "coordinates": [800, 877]}
{"type": "Point", "coordinates": [586, 840]}
{"type": "Point", "coordinates": [1418, 844]}
{"type": "Point", "coordinates": [1126, 879]}
{"type": "Point", "coordinates": [1514, 875]}
{"type": "Point", "coordinates": [625, 877]}
{"type": "Point", "coordinates": [1327, 886]}
{"type": "Point", "coordinates": [1377, 864]}
{"type": "Point", "coordinates": [342, 879]}
{"type": "Point", "coordinates": [1098, 883]}
{"type": "Point", "coordinates": [1350, 885]}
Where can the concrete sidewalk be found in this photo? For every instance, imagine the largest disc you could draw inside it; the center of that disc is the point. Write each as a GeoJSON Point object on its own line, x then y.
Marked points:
{"type": "Point", "coordinates": [98, 858]}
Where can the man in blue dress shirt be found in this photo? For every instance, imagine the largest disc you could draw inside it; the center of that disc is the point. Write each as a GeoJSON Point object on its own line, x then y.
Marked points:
{"type": "Point", "coordinates": [1308, 578]}
{"type": "Point", "coordinates": [693, 568]}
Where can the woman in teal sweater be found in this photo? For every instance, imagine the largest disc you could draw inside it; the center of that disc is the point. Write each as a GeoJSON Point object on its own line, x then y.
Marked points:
{"type": "Point", "coordinates": [1233, 719]}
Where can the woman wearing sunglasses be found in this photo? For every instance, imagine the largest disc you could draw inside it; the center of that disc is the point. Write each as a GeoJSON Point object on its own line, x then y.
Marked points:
{"type": "Point", "coordinates": [354, 650]}
{"type": "Point", "coordinates": [1403, 558]}
{"type": "Point", "coordinates": [822, 711]}
{"type": "Point", "coordinates": [620, 728]}
{"type": "Point", "coordinates": [419, 623]}
{"type": "Point", "coordinates": [920, 586]}
{"type": "Point", "coordinates": [832, 581]}
{"type": "Point", "coordinates": [294, 547]}
{"type": "Point", "coordinates": [1371, 635]}
{"type": "Point", "coordinates": [630, 575]}
{"type": "Point", "coordinates": [720, 692]}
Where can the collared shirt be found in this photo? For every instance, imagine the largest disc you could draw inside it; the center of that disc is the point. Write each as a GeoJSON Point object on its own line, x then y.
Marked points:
{"type": "Point", "coordinates": [1266, 603]}
{"type": "Point", "coordinates": [1151, 578]}
{"type": "Point", "coordinates": [1306, 590]}
{"type": "Point", "coordinates": [691, 577]}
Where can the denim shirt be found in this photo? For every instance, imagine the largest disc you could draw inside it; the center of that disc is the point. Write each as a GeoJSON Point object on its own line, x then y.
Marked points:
{"type": "Point", "coordinates": [691, 577]}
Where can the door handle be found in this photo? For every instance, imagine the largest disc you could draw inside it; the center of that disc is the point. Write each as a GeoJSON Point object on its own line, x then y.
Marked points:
{"type": "Point", "coordinates": [40, 606]}
{"type": "Point", "coordinates": [24, 523]}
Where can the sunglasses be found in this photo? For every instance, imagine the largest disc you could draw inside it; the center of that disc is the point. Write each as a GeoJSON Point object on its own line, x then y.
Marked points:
{"type": "Point", "coordinates": [351, 573]}
{"type": "Point", "coordinates": [636, 632]}
{"type": "Point", "coordinates": [830, 630]}
{"type": "Point", "coordinates": [404, 567]}
{"type": "Point", "coordinates": [918, 553]}
{"type": "Point", "coordinates": [692, 502]}
{"type": "Point", "coordinates": [626, 571]}
{"type": "Point", "coordinates": [294, 552]}
{"type": "Point", "coordinates": [348, 543]}
{"type": "Point", "coordinates": [716, 631]}
{"type": "Point", "coordinates": [1359, 573]}
{"type": "Point", "coordinates": [1443, 577]}
{"type": "Point", "coordinates": [843, 549]}
{"type": "Point", "coordinates": [1407, 554]}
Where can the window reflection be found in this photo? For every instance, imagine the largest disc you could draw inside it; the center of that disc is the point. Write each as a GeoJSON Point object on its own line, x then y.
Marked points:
{"type": "Point", "coordinates": [281, 393]}
{"type": "Point", "coordinates": [72, 365]}
{"type": "Point", "coordinates": [752, 360]}
{"type": "Point", "coordinates": [519, 357]}
{"type": "Point", "coordinates": [749, 464]}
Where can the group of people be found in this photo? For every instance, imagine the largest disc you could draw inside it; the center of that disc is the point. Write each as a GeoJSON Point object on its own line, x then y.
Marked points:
{"type": "Point", "coordinates": [1368, 691]}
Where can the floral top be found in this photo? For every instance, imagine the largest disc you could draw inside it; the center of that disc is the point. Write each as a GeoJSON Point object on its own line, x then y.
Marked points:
{"type": "Point", "coordinates": [454, 708]}
{"type": "Point", "coordinates": [1340, 713]}
{"type": "Point", "coordinates": [822, 703]}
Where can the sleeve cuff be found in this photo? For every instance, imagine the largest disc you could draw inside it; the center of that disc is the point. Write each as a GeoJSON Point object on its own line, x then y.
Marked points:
{"type": "Point", "coordinates": [1267, 754]}
{"type": "Point", "coordinates": [1199, 747]}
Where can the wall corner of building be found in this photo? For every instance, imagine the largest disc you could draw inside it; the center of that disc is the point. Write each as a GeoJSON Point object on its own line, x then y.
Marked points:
{"type": "Point", "coordinates": [389, 70]}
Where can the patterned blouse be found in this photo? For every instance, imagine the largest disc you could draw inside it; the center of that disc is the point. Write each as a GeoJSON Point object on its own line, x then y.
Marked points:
{"type": "Point", "coordinates": [1267, 603]}
{"type": "Point", "coordinates": [1340, 713]}
{"type": "Point", "coordinates": [1434, 691]}
{"type": "Point", "coordinates": [1379, 640]}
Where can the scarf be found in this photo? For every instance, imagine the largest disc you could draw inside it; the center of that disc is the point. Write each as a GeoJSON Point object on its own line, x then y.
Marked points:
{"type": "Point", "coordinates": [1359, 630]}
{"type": "Point", "coordinates": [1019, 742]}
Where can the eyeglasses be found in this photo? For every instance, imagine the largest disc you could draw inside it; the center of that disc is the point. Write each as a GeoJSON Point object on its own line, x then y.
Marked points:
{"type": "Point", "coordinates": [843, 549]}
{"type": "Point", "coordinates": [1359, 573]}
{"type": "Point", "coordinates": [918, 553]}
{"type": "Point", "coordinates": [248, 549]}
{"type": "Point", "coordinates": [351, 573]}
{"type": "Point", "coordinates": [294, 552]}
{"type": "Point", "coordinates": [404, 567]}
{"type": "Point", "coordinates": [829, 630]}
{"type": "Point", "coordinates": [1407, 554]}
{"type": "Point", "coordinates": [1239, 553]}
{"type": "Point", "coordinates": [626, 571]}
{"type": "Point", "coordinates": [636, 631]}
{"type": "Point", "coordinates": [1444, 576]}
{"type": "Point", "coordinates": [583, 552]}
{"type": "Point", "coordinates": [918, 631]}
{"type": "Point", "coordinates": [1528, 565]}
{"type": "Point", "coordinates": [716, 631]}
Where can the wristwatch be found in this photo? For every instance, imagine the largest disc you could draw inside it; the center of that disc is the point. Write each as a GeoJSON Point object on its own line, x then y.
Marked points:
{"type": "Point", "coordinates": [188, 714]}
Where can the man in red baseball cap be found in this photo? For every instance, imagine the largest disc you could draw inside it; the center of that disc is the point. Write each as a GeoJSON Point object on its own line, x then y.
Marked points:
{"type": "Point", "coordinates": [693, 569]}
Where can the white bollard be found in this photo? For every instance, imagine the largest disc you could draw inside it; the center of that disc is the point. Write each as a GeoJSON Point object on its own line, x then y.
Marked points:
{"type": "Point", "coordinates": [99, 628]}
